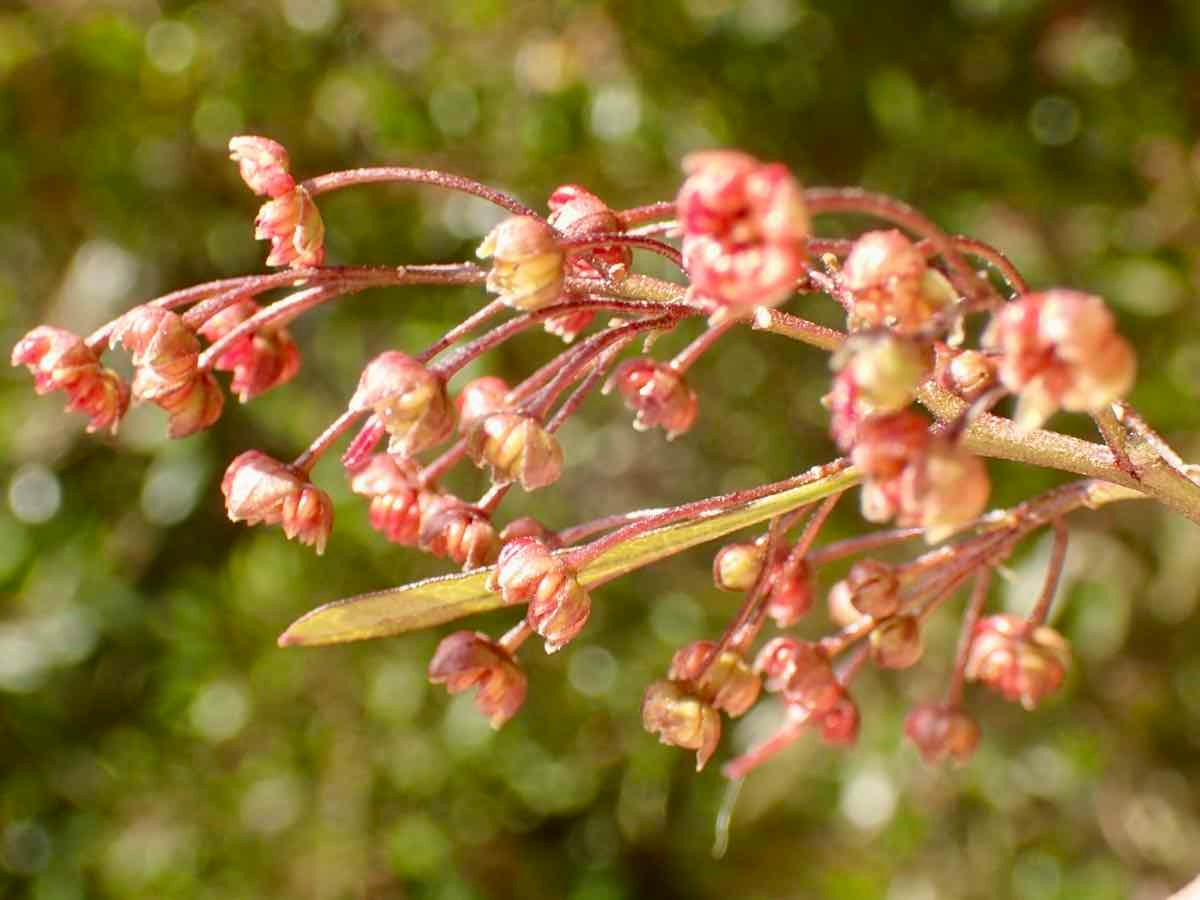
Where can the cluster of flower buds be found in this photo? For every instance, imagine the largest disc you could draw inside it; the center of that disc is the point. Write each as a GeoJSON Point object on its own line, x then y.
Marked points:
{"type": "Point", "coordinates": [165, 353]}
{"type": "Point", "coordinates": [468, 659]}
{"type": "Point", "coordinates": [1059, 349]}
{"type": "Point", "coordinates": [258, 360]}
{"type": "Point", "coordinates": [703, 681]}
{"type": "Point", "coordinates": [61, 361]}
{"type": "Point", "coordinates": [892, 285]}
{"type": "Point", "coordinates": [263, 491]}
{"type": "Point", "coordinates": [1020, 661]}
{"type": "Point", "coordinates": [745, 230]}
{"type": "Point", "coordinates": [578, 214]}
{"type": "Point", "coordinates": [290, 219]}
{"type": "Point", "coordinates": [801, 672]}
{"type": "Point", "coordinates": [528, 572]}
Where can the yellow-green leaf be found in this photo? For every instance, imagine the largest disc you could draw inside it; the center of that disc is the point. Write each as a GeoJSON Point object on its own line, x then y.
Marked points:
{"type": "Point", "coordinates": [437, 600]}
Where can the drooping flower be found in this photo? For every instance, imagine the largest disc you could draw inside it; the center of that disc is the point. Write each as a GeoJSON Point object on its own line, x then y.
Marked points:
{"type": "Point", "coordinates": [260, 490]}
{"type": "Point", "coordinates": [892, 284]}
{"type": "Point", "coordinates": [263, 164]}
{"type": "Point", "coordinates": [194, 406]}
{"type": "Point", "coordinates": [469, 659]}
{"type": "Point", "coordinates": [941, 732]}
{"type": "Point", "coordinates": [791, 594]}
{"type": "Point", "coordinates": [801, 671]}
{"type": "Point", "coordinates": [59, 360]}
{"type": "Point", "coordinates": [1020, 661]}
{"type": "Point", "coordinates": [896, 642]}
{"type": "Point", "coordinates": [293, 225]}
{"type": "Point", "coordinates": [259, 360]}
{"type": "Point", "coordinates": [480, 398]}
{"type": "Point", "coordinates": [944, 490]}
{"type": "Point", "coordinates": [527, 263]}
{"type": "Point", "coordinates": [657, 393]}
{"type": "Point", "coordinates": [397, 499]}
{"type": "Point", "coordinates": [163, 349]}
{"type": "Point", "coordinates": [516, 448]}
{"type": "Point", "coordinates": [464, 533]}
{"type": "Point", "coordinates": [681, 719]}
{"type": "Point", "coordinates": [528, 572]}
{"type": "Point", "coordinates": [723, 680]}
{"type": "Point", "coordinates": [408, 401]}
{"type": "Point", "coordinates": [744, 229]}
{"type": "Point", "coordinates": [1059, 349]}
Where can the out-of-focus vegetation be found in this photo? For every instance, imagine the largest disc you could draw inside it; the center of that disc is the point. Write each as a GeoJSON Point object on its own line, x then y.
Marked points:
{"type": "Point", "coordinates": [153, 740]}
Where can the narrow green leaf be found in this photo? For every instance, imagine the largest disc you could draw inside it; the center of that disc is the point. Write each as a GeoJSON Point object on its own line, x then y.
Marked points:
{"type": "Point", "coordinates": [438, 600]}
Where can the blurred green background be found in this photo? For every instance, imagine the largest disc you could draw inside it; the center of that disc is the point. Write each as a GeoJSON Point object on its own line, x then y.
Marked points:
{"type": "Point", "coordinates": [153, 740]}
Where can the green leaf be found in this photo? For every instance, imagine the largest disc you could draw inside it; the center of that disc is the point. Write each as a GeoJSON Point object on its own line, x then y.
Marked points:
{"type": "Point", "coordinates": [437, 600]}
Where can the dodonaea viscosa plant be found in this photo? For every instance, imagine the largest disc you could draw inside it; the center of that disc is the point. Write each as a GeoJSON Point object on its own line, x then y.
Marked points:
{"type": "Point", "coordinates": [910, 402]}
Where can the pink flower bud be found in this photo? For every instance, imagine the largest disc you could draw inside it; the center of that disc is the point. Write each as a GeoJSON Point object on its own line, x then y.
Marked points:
{"type": "Point", "coordinates": [529, 527]}
{"type": "Point", "coordinates": [1022, 662]}
{"type": "Point", "coordinates": [657, 393]}
{"type": "Point", "coordinates": [192, 407]}
{"type": "Point", "coordinates": [944, 491]}
{"type": "Point", "coordinates": [263, 164]}
{"type": "Point", "coordinates": [409, 401]}
{"type": "Point", "coordinates": [163, 349]}
{"type": "Point", "coordinates": [969, 373]}
{"type": "Point", "coordinates": [293, 225]}
{"type": "Point", "coordinates": [527, 572]}
{"type": "Point", "coordinates": [527, 268]}
{"type": "Point", "coordinates": [942, 732]}
{"type": "Point", "coordinates": [459, 531]}
{"type": "Point", "coordinates": [467, 659]}
{"type": "Point", "coordinates": [896, 642]}
{"type": "Point", "coordinates": [885, 272]}
{"type": "Point", "coordinates": [839, 725]}
{"type": "Point", "coordinates": [842, 611]}
{"type": "Point", "coordinates": [744, 229]}
{"type": "Point", "coordinates": [725, 682]}
{"type": "Point", "coordinates": [397, 500]}
{"type": "Point", "coordinates": [59, 360]}
{"type": "Point", "coordinates": [885, 445]}
{"type": "Point", "coordinates": [1059, 349]}
{"type": "Point", "coordinates": [569, 325]}
{"type": "Point", "coordinates": [681, 720]}
{"type": "Point", "coordinates": [575, 212]}
{"type": "Point", "coordinates": [791, 595]}
{"type": "Point", "coordinates": [480, 398]}
{"type": "Point", "coordinates": [259, 360]}
{"type": "Point", "coordinates": [801, 670]}
{"type": "Point", "coordinates": [516, 448]}
{"type": "Point", "coordinates": [261, 490]}
{"type": "Point", "coordinates": [736, 567]}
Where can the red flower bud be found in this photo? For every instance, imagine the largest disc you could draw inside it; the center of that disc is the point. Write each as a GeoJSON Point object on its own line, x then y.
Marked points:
{"type": "Point", "coordinates": [261, 490]}
{"type": "Point", "coordinates": [873, 588]}
{"type": "Point", "coordinates": [397, 500]}
{"type": "Point", "coordinates": [479, 399]}
{"type": "Point", "coordinates": [885, 445]}
{"type": "Point", "coordinates": [466, 660]}
{"type": "Point", "coordinates": [657, 393]}
{"type": "Point", "coordinates": [839, 726]}
{"type": "Point", "coordinates": [293, 225]}
{"type": "Point", "coordinates": [516, 448]}
{"type": "Point", "coordinates": [407, 399]}
{"type": "Point", "coordinates": [259, 360]}
{"type": "Point", "coordinates": [527, 572]}
{"type": "Point", "coordinates": [575, 212]}
{"type": "Point", "coordinates": [192, 407]}
{"type": "Point", "coordinates": [968, 373]}
{"type": "Point", "coordinates": [459, 531]}
{"type": "Point", "coordinates": [942, 732]}
{"type": "Point", "coordinates": [944, 491]}
{"type": "Point", "coordinates": [529, 527]}
{"type": "Point", "coordinates": [896, 642]}
{"type": "Point", "coordinates": [681, 720]}
{"type": "Point", "coordinates": [1022, 662]}
{"type": "Point", "coordinates": [163, 349]}
{"type": "Point", "coordinates": [263, 164]}
{"type": "Point", "coordinates": [59, 360]}
{"type": "Point", "coordinates": [885, 370]}
{"type": "Point", "coordinates": [791, 595]}
{"type": "Point", "coordinates": [527, 268]}
{"type": "Point", "coordinates": [801, 670]}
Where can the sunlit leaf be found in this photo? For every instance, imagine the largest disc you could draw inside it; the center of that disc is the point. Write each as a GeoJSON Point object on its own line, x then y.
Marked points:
{"type": "Point", "coordinates": [437, 600]}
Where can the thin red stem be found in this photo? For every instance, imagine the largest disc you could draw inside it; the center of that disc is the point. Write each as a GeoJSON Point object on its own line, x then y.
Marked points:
{"type": "Point", "coordinates": [276, 314]}
{"type": "Point", "coordinates": [1058, 556]}
{"type": "Point", "coordinates": [343, 423]}
{"type": "Point", "coordinates": [861, 544]}
{"type": "Point", "coordinates": [697, 348]}
{"type": "Point", "coordinates": [337, 180]}
{"type": "Point", "coordinates": [647, 213]}
{"type": "Point", "coordinates": [641, 242]}
{"type": "Point", "coordinates": [975, 605]}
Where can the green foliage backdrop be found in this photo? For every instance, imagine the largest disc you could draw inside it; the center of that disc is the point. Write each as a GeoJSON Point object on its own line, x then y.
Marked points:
{"type": "Point", "coordinates": [153, 740]}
